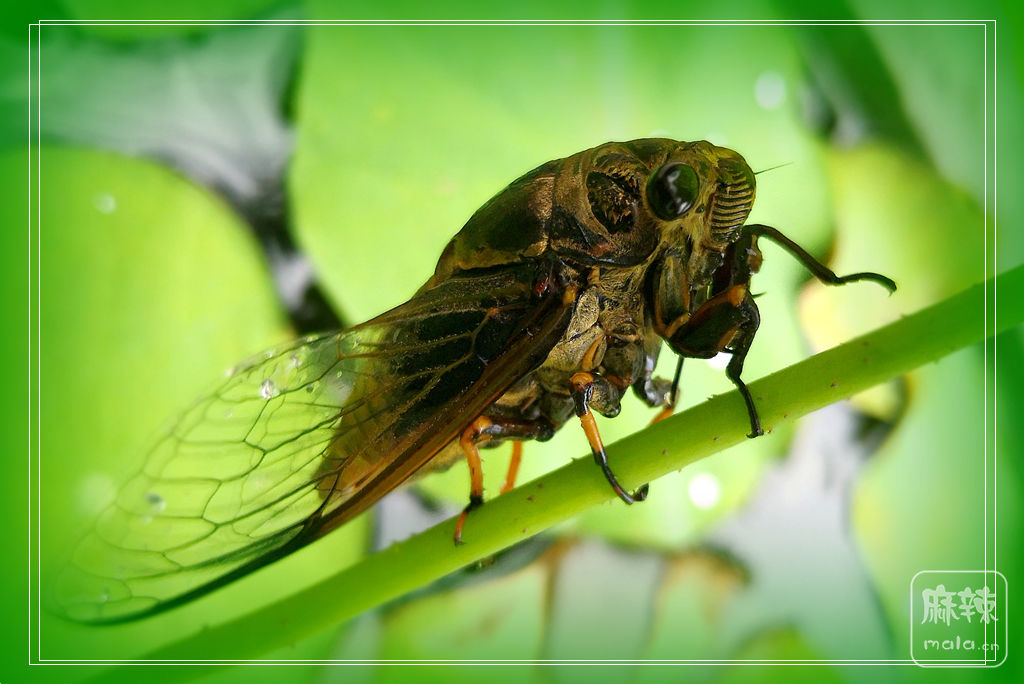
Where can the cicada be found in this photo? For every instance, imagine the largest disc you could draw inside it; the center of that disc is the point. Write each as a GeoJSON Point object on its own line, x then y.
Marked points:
{"type": "Point", "coordinates": [553, 301]}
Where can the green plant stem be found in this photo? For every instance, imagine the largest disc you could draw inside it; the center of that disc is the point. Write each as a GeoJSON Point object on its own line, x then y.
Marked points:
{"type": "Point", "coordinates": [703, 430]}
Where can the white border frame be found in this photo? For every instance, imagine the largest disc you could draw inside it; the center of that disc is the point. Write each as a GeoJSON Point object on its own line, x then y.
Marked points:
{"type": "Point", "coordinates": [35, 449]}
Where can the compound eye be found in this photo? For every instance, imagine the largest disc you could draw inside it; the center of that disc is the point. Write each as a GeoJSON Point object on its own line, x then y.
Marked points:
{"type": "Point", "coordinates": [672, 190]}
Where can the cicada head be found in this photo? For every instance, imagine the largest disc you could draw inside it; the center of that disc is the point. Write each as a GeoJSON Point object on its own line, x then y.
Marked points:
{"type": "Point", "coordinates": [704, 192]}
{"type": "Point", "coordinates": [616, 203]}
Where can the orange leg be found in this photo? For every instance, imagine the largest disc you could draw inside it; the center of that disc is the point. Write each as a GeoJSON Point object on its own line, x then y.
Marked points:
{"type": "Point", "coordinates": [582, 389]}
{"type": "Point", "coordinates": [470, 436]}
{"type": "Point", "coordinates": [513, 467]}
{"type": "Point", "coordinates": [665, 412]}
{"type": "Point", "coordinates": [484, 428]}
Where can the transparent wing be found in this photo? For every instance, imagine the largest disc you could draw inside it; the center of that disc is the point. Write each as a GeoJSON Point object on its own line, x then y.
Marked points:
{"type": "Point", "coordinates": [299, 439]}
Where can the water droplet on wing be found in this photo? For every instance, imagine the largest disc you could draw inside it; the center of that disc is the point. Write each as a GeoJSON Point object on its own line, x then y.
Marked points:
{"type": "Point", "coordinates": [268, 390]}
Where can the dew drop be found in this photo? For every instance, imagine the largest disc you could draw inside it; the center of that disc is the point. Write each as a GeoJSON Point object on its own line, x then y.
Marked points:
{"type": "Point", "coordinates": [268, 390]}
{"type": "Point", "coordinates": [311, 387]}
{"type": "Point", "coordinates": [294, 361]}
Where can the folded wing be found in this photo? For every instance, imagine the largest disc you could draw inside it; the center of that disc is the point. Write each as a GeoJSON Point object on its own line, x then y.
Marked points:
{"type": "Point", "coordinates": [303, 437]}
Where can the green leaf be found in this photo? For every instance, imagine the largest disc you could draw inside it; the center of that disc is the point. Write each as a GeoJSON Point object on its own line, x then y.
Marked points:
{"type": "Point", "coordinates": [150, 289]}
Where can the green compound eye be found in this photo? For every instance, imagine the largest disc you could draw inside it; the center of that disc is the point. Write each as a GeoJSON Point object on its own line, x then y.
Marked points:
{"type": "Point", "coordinates": [672, 190]}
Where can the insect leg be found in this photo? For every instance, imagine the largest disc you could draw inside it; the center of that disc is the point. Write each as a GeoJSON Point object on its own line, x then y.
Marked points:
{"type": "Point", "coordinates": [485, 428]}
{"type": "Point", "coordinates": [726, 322]}
{"type": "Point", "coordinates": [519, 430]}
{"type": "Point", "coordinates": [673, 396]}
{"type": "Point", "coordinates": [819, 270]}
{"type": "Point", "coordinates": [513, 467]}
{"type": "Point", "coordinates": [740, 345]}
{"type": "Point", "coordinates": [470, 436]}
{"type": "Point", "coordinates": [582, 390]}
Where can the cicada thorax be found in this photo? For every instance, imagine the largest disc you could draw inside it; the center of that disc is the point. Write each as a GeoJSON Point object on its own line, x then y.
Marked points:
{"type": "Point", "coordinates": [613, 215]}
{"type": "Point", "coordinates": [598, 217]}
{"type": "Point", "coordinates": [509, 228]}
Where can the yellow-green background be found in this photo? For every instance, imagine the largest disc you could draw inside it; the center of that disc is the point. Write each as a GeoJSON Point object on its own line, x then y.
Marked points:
{"type": "Point", "coordinates": [401, 132]}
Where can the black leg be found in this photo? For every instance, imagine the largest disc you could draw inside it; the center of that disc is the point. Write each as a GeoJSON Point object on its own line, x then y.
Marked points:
{"type": "Point", "coordinates": [581, 390]}
{"type": "Point", "coordinates": [673, 394]}
{"type": "Point", "coordinates": [819, 270]}
{"type": "Point", "coordinates": [740, 346]}
{"type": "Point", "coordinates": [672, 397]}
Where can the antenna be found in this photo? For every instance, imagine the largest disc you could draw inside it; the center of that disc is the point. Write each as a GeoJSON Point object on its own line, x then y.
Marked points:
{"type": "Point", "coordinates": [772, 168]}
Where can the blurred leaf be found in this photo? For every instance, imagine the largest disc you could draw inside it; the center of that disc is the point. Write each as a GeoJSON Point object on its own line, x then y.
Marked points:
{"type": "Point", "coordinates": [898, 217]}
{"type": "Point", "coordinates": [197, 10]}
{"type": "Point", "coordinates": [694, 594]}
{"type": "Point", "coordinates": [848, 74]}
{"type": "Point", "coordinates": [209, 107]}
{"type": "Point", "coordinates": [944, 96]}
{"type": "Point", "coordinates": [780, 644]}
{"type": "Point", "coordinates": [920, 504]}
{"type": "Point", "coordinates": [133, 315]}
{"type": "Point", "coordinates": [142, 276]}
{"type": "Point", "coordinates": [499, 620]}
